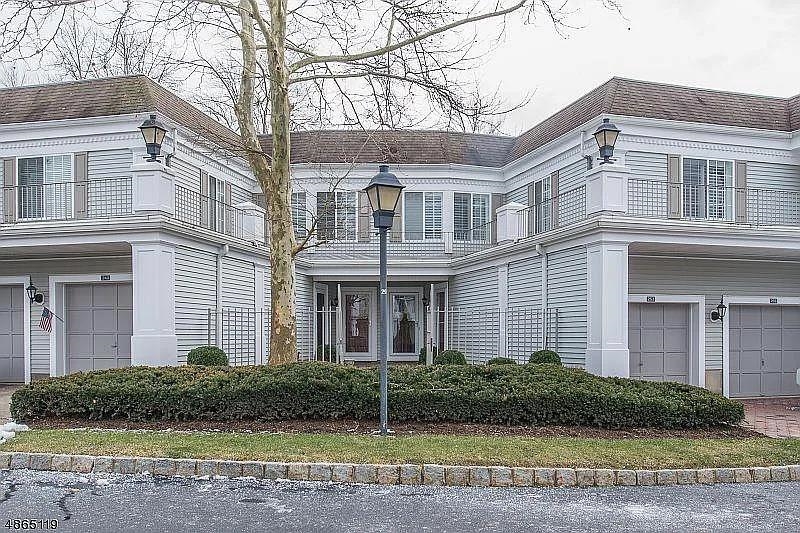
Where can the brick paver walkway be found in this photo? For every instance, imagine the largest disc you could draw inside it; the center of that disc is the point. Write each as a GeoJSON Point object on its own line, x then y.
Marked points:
{"type": "Point", "coordinates": [775, 417]}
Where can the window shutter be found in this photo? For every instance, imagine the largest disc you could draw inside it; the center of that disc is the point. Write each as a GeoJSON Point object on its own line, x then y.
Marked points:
{"type": "Point", "coordinates": [531, 209]}
{"type": "Point", "coordinates": [414, 223]}
{"type": "Point", "coordinates": [9, 191]}
{"type": "Point", "coordinates": [81, 186]}
{"type": "Point", "coordinates": [741, 192]}
{"type": "Point", "coordinates": [496, 201]}
{"type": "Point", "coordinates": [205, 218]}
{"type": "Point", "coordinates": [674, 186]}
{"type": "Point", "coordinates": [229, 214]}
{"type": "Point", "coordinates": [554, 197]}
{"type": "Point", "coordinates": [396, 234]}
{"type": "Point", "coordinates": [364, 216]}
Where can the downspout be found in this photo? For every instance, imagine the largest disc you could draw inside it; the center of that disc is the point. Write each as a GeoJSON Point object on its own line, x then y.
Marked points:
{"type": "Point", "coordinates": [223, 251]}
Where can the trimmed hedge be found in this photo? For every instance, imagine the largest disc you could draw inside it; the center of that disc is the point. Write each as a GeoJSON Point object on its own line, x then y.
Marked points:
{"type": "Point", "coordinates": [207, 355]}
{"type": "Point", "coordinates": [450, 357]}
{"type": "Point", "coordinates": [545, 357]}
{"type": "Point", "coordinates": [501, 361]}
{"type": "Point", "coordinates": [498, 394]}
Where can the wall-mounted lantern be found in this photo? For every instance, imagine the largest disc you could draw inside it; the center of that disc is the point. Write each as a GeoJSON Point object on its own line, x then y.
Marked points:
{"type": "Point", "coordinates": [719, 312]}
{"type": "Point", "coordinates": [33, 293]}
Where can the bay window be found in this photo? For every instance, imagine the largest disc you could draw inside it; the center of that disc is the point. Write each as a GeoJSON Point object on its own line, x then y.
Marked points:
{"type": "Point", "coordinates": [707, 188]}
{"type": "Point", "coordinates": [471, 216]}
{"type": "Point", "coordinates": [422, 219]}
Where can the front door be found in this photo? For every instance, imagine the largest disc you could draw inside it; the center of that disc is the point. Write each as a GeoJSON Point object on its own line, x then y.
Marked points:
{"type": "Point", "coordinates": [359, 317]}
{"type": "Point", "coordinates": [406, 323]}
{"type": "Point", "coordinates": [12, 334]}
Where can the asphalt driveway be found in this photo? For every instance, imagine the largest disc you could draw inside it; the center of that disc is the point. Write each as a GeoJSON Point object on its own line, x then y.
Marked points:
{"type": "Point", "coordinates": [128, 503]}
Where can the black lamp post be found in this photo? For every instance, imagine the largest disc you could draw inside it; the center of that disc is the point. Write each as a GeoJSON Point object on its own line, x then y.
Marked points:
{"type": "Point", "coordinates": [606, 137]}
{"type": "Point", "coordinates": [153, 132]}
{"type": "Point", "coordinates": [383, 193]}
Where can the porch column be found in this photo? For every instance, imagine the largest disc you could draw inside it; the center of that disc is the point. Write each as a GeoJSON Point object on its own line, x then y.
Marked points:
{"type": "Point", "coordinates": [153, 187]}
{"type": "Point", "coordinates": [607, 309]}
{"type": "Point", "coordinates": [509, 225]}
{"type": "Point", "coordinates": [154, 342]}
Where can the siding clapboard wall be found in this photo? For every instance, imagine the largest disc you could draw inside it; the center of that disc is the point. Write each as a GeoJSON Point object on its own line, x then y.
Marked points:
{"type": "Point", "coordinates": [475, 289]}
{"type": "Point", "coordinates": [186, 174]}
{"type": "Point", "coordinates": [773, 176]}
{"type": "Point", "coordinates": [571, 176]}
{"type": "Point", "coordinates": [646, 165]}
{"type": "Point", "coordinates": [238, 283]}
{"type": "Point", "coordinates": [567, 292]}
{"type": "Point", "coordinates": [525, 283]}
{"type": "Point", "coordinates": [108, 164]}
{"type": "Point", "coordinates": [304, 295]}
{"type": "Point", "coordinates": [474, 317]}
{"type": "Point", "coordinates": [713, 278]}
{"type": "Point", "coordinates": [195, 294]}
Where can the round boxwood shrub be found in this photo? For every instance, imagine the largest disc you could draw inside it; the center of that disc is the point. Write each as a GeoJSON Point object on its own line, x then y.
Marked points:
{"type": "Point", "coordinates": [545, 356]}
{"type": "Point", "coordinates": [450, 357]}
{"type": "Point", "coordinates": [423, 354]}
{"type": "Point", "coordinates": [532, 395]}
{"type": "Point", "coordinates": [207, 356]}
{"type": "Point", "coordinates": [501, 361]}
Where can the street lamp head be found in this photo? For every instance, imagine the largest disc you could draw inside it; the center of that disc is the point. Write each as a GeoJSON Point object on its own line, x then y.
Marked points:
{"type": "Point", "coordinates": [383, 192]}
{"type": "Point", "coordinates": [606, 137]}
{"type": "Point", "coordinates": [153, 132]}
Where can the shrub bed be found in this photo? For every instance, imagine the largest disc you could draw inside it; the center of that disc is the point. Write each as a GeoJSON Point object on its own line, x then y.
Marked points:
{"type": "Point", "coordinates": [498, 394]}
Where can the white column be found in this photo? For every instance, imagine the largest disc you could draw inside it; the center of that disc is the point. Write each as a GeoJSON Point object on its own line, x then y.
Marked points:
{"type": "Point", "coordinates": [607, 310]}
{"type": "Point", "coordinates": [607, 189]}
{"type": "Point", "coordinates": [509, 226]}
{"type": "Point", "coordinates": [153, 187]}
{"type": "Point", "coordinates": [154, 342]}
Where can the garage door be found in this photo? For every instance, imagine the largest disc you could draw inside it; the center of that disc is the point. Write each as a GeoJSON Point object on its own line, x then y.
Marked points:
{"type": "Point", "coordinates": [12, 334]}
{"type": "Point", "coordinates": [764, 350]}
{"type": "Point", "coordinates": [99, 323]}
{"type": "Point", "coordinates": [658, 340]}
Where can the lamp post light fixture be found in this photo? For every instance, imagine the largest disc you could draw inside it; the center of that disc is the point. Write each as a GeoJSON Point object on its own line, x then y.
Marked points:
{"type": "Point", "coordinates": [33, 293]}
{"type": "Point", "coordinates": [153, 132]}
{"type": "Point", "coordinates": [719, 312]}
{"type": "Point", "coordinates": [383, 192]}
{"type": "Point", "coordinates": [606, 137]}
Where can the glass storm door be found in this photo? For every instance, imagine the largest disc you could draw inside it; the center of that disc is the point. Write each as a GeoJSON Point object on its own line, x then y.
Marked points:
{"type": "Point", "coordinates": [405, 324]}
{"type": "Point", "coordinates": [357, 322]}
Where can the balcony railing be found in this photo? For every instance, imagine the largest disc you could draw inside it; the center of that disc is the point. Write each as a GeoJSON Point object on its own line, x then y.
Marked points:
{"type": "Point", "coordinates": [206, 212]}
{"type": "Point", "coordinates": [349, 244]}
{"type": "Point", "coordinates": [753, 206]}
{"type": "Point", "coordinates": [101, 198]}
{"type": "Point", "coordinates": [562, 210]}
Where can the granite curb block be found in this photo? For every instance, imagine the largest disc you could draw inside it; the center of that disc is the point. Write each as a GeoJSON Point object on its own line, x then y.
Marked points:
{"type": "Point", "coordinates": [407, 474]}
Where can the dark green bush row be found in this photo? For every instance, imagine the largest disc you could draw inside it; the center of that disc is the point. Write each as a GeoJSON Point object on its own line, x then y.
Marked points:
{"type": "Point", "coordinates": [541, 394]}
{"type": "Point", "coordinates": [501, 361]}
{"type": "Point", "coordinates": [207, 355]}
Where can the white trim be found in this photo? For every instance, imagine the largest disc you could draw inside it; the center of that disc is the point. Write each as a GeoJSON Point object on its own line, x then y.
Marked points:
{"type": "Point", "coordinates": [697, 328]}
{"type": "Point", "coordinates": [58, 337]}
{"type": "Point", "coordinates": [730, 300]}
{"type": "Point", "coordinates": [26, 319]}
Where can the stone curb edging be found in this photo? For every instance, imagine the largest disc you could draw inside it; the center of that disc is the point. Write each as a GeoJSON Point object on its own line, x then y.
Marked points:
{"type": "Point", "coordinates": [432, 475]}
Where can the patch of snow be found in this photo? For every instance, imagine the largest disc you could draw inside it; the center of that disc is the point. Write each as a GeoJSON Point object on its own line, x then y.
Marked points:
{"type": "Point", "coordinates": [14, 427]}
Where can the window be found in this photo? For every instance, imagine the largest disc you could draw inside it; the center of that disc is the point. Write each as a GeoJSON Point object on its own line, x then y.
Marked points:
{"type": "Point", "coordinates": [471, 216]}
{"type": "Point", "coordinates": [336, 215]}
{"type": "Point", "coordinates": [542, 197]}
{"type": "Point", "coordinates": [707, 189]}
{"type": "Point", "coordinates": [423, 215]}
{"type": "Point", "coordinates": [299, 214]}
{"type": "Point", "coordinates": [216, 192]}
{"type": "Point", "coordinates": [45, 187]}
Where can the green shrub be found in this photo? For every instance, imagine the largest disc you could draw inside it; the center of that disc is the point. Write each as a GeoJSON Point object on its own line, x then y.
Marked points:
{"type": "Point", "coordinates": [423, 354]}
{"type": "Point", "coordinates": [535, 395]}
{"type": "Point", "coordinates": [450, 357]}
{"type": "Point", "coordinates": [545, 356]}
{"type": "Point", "coordinates": [326, 352]}
{"type": "Point", "coordinates": [501, 361]}
{"type": "Point", "coordinates": [208, 356]}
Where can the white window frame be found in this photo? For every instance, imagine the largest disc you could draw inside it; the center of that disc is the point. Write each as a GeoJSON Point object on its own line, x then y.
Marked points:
{"type": "Point", "coordinates": [426, 229]}
{"type": "Point", "coordinates": [541, 222]}
{"type": "Point", "coordinates": [727, 188]}
{"type": "Point", "coordinates": [339, 220]}
{"type": "Point", "coordinates": [69, 205]}
{"type": "Point", "coordinates": [471, 217]}
{"type": "Point", "coordinates": [302, 207]}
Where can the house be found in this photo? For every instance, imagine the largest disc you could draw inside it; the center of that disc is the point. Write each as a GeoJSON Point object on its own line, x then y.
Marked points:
{"type": "Point", "coordinates": [500, 245]}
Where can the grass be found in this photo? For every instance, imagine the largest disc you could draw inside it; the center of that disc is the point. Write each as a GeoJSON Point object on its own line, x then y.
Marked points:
{"type": "Point", "coordinates": [440, 449]}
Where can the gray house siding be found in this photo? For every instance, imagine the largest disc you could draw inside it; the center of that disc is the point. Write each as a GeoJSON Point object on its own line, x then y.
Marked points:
{"type": "Point", "coordinates": [713, 278]}
{"type": "Point", "coordinates": [647, 165]}
{"type": "Point", "coordinates": [195, 294]}
{"type": "Point", "coordinates": [571, 176]}
{"type": "Point", "coordinates": [773, 176]}
{"type": "Point", "coordinates": [108, 164]}
{"type": "Point", "coordinates": [304, 299]}
{"type": "Point", "coordinates": [525, 283]}
{"type": "Point", "coordinates": [567, 293]}
{"type": "Point", "coordinates": [474, 289]}
{"type": "Point", "coordinates": [186, 174]}
{"type": "Point", "coordinates": [474, 319]}
{"type": "Point", "coordinates": [238, 283]}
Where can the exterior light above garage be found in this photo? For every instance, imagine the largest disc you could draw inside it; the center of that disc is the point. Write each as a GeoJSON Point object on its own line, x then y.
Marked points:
{"type": "Point", "coordinates": [606, 137]}
{"type": "Point", "coordinates": [153, 132]}
{"type": "Point", "coordinates": [33, 293]}
{"type": "Point", "coordinates": [719, 312]}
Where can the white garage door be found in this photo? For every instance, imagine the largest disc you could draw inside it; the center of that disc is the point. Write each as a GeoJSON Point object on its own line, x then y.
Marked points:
{"type": "Point", "coordinates": [764, 350]}
{"type": "Point", "coordinates": [12, 334]}
{"type": "Point", "coordinates": [99, 323]}
{"type": "Point", "coordinates": [658, 341]}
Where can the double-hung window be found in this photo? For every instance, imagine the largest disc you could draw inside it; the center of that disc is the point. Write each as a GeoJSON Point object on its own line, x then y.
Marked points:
{"type": "Point", "coordinates": [471, 216]}
{"type": "Point", "coordinates": [219, 204]}
{"type": "Point", "coordinates": [542, 199]}
{"type": "Point", "coordinates": [299, 212]}
{"type": "Point", "coordinates": [422, 218]}
{"type": "Point", "coordinates": [45, 187]}
{"type": "Point", "coordinates": [707, 189]}
{"type": "Point", "coordinates": [336, 215]}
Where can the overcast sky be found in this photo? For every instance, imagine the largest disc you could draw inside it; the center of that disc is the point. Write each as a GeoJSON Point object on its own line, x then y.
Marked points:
{"type": "Point", "coordinates": [749, 46]}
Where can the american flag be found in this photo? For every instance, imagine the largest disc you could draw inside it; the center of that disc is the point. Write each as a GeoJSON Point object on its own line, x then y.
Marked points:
{"type": "Point", "coordinates": [46, 322]}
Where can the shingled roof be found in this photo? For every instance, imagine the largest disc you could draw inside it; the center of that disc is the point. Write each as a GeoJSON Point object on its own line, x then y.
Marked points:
{"type": "Point", "coordinates": [108, 97]}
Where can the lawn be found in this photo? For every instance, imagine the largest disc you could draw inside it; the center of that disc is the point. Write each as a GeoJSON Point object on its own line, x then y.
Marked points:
{"type": "Point", "coordinates": [432, 449]}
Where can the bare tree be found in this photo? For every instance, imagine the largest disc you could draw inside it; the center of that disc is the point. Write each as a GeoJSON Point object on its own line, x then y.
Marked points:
{"type": "Point", "coordinates": [306, 63]}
